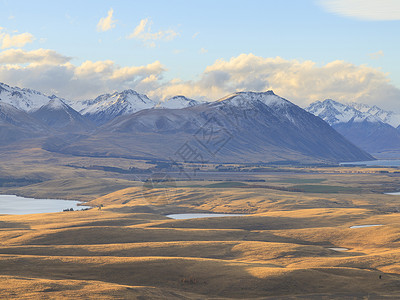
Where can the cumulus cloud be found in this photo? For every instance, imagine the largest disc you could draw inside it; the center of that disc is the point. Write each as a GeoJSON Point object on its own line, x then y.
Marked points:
{"type": "Point", "coordinates": [376, 10]}
{"type": "Point", "coordinates": [17, 40]}
{"type": "Point", "coordinates": [299, 82]}
{"type": "Point", "coordinates": [143, 32]}
{"type": "Point", "coordinates": [39, 56]}
{"type": "Point", "coordinates": [106, 23]}
{"type": "Point", "coordinates": [50, 72]}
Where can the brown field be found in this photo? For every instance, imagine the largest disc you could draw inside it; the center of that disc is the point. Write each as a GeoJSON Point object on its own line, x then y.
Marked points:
{"type": "Point", "coordinates": [130, 250]}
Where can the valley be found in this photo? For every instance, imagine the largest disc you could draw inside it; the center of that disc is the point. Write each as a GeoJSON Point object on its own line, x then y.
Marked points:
{"type": "Point", "coordinates": [127, 247]}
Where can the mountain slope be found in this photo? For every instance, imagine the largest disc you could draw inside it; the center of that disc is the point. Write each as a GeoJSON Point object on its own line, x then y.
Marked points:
{"type": "Point", "coordinates": [334, 112]}
{"type": "Point", "coordinates": [109, 106]}
{"type": "Point", "coordinates": [374, 137]}
{"type": "Point", "coordinates": [16, 124]}
{"type": "Point", "coordinates": [388, 117]}
{"type": "Point", "coordinates": [243, 127]}
{"type": "Point", "coordinates": [24, 99]}
{"type": "Point", "coordinates": [361, 124]}
{"type": "Point", "coordinates": [58, 115]}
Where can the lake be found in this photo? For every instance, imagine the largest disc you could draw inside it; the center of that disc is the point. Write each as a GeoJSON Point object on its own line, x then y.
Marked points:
{"type": "Point", "coordinates": [395, 193]}
{"type": "Point", "coordinates": [16, 205]}
{"type": "Point", "coordinates": [200, 215]}
{"type": "Point", "coordinates": [364, 226]}
{"type": "Point", "coordinates": [370, 163]}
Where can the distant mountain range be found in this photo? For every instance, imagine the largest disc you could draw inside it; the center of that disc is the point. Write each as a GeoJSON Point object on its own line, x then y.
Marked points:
{"type": "Point", "coordinates": [99, 110]}
{"type": "Point", "coordinates": [242, 127]}
{"type": "Point", "coordinates": [369, 127]}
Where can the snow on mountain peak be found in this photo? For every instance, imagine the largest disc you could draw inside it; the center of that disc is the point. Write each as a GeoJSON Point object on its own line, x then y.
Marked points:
{"type": "Point", "coordinates": [247, 99]}
{"type": "Point", "coordinates": [23, 99]}
{"type": "Point", "coordinates": [108, 106]}
{"type": "Point", "coordinates": [177, 102]}
{"type": "Point", "coordinates": [388, 117]}
{"type": "Point", "coordinates": [55, 104]}
{"type": "Point", "coordinates": [334, 112]}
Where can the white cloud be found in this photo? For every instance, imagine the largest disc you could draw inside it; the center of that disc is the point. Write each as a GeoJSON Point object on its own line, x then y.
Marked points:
{"type": "Point", "coordinates": [17, 40]}
{"type": "Point", "coordinates": [106, 23]}
{"type": "Point", "coordinates": [376, 10]}
{"type": "Point", "coordinates": [300, 82]}
{"type": "Point", "coordinates": [48, 71]}
{"type": "Point", "coordinates": [143, 32]}
{"type": "Point", "coordinates": [203, 50]}
{"type": "Point", "coordinates": [377, 54]}
{"type": "Point", "coordinates": [139, 29]}
{"type": "Point", "coordinates": [39, 56]}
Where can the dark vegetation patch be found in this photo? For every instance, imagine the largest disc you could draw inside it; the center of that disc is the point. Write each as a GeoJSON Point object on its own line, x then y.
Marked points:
{"type": "Point", "coordinates": [16, 182]}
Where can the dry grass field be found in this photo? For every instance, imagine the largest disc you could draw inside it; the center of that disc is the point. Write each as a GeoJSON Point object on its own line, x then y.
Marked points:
{"type": "Point", "coordinates": [129, 249]}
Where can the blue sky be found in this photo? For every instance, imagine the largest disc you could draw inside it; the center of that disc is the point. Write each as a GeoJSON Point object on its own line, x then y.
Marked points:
{"type": "Point", "coordinates": [205, 49]}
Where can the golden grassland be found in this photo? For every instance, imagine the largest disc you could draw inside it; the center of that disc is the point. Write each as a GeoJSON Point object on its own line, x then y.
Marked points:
{"type": "Point", "coordinates": [129, 249]}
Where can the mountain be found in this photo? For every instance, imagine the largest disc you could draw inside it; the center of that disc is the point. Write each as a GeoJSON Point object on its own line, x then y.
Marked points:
{"type": "Point", "coordinates": [109, 106]}
{"type": "Point", "coordinates": [242, 127]}
{"type": "Point", "coordinates": [370, 128]}
{"type": "Point", "coordinates": [16, 124]}
{"type": "Point", "coordinates": [334, 112]}
{"type": "Point", "coordinates": [374, 137]}
{"type": "Point", "coordinates": [24, 99]}
{"type": "Point", "coordinates": [177, 102]}
{"type": "Point", "coordinates": [58, 115]}
{"type": "Point", "coordinates": [388, 117]}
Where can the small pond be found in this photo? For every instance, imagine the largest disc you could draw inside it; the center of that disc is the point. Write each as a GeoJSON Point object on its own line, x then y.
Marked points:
{"type": "Point", "coordinates": [200, 215]}
{"type": "Point", "coordinates": [338, 249]}
{"type": "Point", "coordinates": [363, 226]}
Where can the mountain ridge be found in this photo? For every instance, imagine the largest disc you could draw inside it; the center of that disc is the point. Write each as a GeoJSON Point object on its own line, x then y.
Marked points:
{"type": "Point", "coordinates": [245, 128]}
{"type": "Point", "coordinates": [258, 126]}
{"type": "Point", "coordinates": [369, 127]}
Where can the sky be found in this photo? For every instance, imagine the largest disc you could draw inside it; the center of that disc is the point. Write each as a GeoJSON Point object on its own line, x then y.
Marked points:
{"type": "Point", "coordinates": [346, 50]}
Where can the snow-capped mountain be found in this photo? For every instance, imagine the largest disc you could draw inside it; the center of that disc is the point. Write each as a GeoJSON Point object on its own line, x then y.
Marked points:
{"type": "Point", "coordinates": [249, 99]}
{"type": "Point", "coordinates": [24, 99]}
{"type": "Point", "coordinates": [99, 110]}
{"type": "Point", "coordinates": [388, 117]}
{"type": "Point", "coordinates": [370, 128]}
{"type": "Point", "coordinates": [177, 102]}
{"type": "Point", "coordinates": [243, 127]}
{"type": "Point", "coordinates": [334, 112]}
{"type": "Point", "coordinates": [58, 115]}
{"type": "Point", "coordinates": [19, 118]}
{"type": "Point", "coordinates": [108, 106]}
{"type": "Point", "coordinates": [16, 124]}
